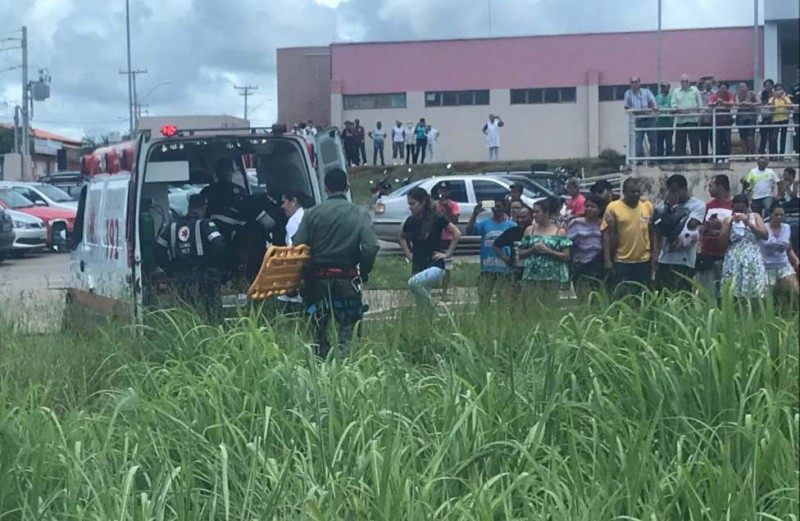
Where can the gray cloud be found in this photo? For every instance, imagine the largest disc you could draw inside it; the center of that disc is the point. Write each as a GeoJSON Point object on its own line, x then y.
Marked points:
{"type": "Point", "coordinates": [204, 47]}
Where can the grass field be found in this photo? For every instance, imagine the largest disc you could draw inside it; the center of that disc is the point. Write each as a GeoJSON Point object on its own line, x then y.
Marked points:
{"type": "Point", "coordinates": [667, 411]}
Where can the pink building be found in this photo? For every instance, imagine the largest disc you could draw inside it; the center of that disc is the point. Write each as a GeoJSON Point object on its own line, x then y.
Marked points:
{"type": "Point", "coordinates": [304, 91]}
{"type": "Point", "coordinates": [560, 96]}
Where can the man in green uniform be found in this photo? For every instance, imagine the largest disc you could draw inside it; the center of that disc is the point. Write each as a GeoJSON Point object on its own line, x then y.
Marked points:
{"type": "Point", "coordinates": [343, 250]}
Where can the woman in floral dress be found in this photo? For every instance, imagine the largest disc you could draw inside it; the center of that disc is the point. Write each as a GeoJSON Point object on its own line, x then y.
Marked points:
{"type": "Point", "coordinates": [743, 266]}
{"type": "Point", "coordinates": [545, 251]}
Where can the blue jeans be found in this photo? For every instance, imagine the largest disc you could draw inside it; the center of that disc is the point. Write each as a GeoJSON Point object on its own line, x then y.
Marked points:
{"type": "Point", "coordinates": [421, 283]}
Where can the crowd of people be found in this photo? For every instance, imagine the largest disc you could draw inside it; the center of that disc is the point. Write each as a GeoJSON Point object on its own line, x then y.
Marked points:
{"type": "Point", "coordinates": [622, 246]}
{"type": "Point", "coordinates": [671, 119]}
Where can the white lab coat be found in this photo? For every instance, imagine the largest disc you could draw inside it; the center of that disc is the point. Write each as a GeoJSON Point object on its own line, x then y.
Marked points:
{"type": "Point", "coordinates": [493, 133]}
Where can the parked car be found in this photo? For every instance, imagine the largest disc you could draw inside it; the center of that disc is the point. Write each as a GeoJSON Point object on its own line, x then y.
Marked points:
{"type": "Point", "coordinates": [391, 211]}
{"type": "Point", "coordinates": [58, 222]}
{"type": "Point", "coordinates": [552, 181]}
{"type": "Point", "coordinates": [30, 233]}
{"type": "Point", "coordinates": [7, 234]}
{"type": "Point", "coordinates": [68, 181]}
{"type": "Point", "coordinates": [42, 194]}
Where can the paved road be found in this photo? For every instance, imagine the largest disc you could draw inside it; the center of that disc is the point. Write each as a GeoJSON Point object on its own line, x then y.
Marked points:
{"type": "Point", "coordinates": [31, 293]}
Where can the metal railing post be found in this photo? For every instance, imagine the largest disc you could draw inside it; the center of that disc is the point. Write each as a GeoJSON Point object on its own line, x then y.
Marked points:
{"type": "Point", "coordinates": [714, 135]}
{"type": "Point", "coordinates": [630, 140]}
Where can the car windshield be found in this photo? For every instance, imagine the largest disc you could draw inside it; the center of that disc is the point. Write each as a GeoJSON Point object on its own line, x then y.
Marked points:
{"type": "Point", "coordinates": [14, 200]}
{"type": "Point", "coordinates": [529, 188]}
{"type": "Point", "coordinates": [56, 194]}
{"type": "Point", "coordinates": [405, 189]}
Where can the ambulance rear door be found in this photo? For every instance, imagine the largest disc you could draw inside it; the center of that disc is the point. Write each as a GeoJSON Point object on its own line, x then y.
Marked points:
{"type": "Point", "coordinates": [100, 264]}
{"type": "Point", "coordinates": [330, 154]}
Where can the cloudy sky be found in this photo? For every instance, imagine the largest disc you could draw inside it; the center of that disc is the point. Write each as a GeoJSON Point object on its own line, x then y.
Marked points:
{"type": "Point", "coordinates": [195, 51]}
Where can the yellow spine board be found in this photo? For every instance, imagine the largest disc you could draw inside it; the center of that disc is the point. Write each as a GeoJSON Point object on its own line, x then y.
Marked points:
{"type": "Point", "coordinates": [280, 273]}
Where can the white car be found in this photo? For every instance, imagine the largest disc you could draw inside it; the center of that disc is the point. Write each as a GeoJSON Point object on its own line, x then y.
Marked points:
{"type": "Point", "coordinates": [30, 233]}
{"type": "Point", "coordinates": [43, 194]}
{"type": "Point", "coordinates": [391, 211]}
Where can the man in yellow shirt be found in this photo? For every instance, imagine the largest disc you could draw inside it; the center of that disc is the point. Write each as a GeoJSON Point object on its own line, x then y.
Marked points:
{"type": "Point", "coordinates": [627, 239]}
{"type": "Point", "coordinates": [780, 104]}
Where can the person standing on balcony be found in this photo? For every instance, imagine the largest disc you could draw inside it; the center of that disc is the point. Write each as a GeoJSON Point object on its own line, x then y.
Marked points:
{"type": "Point", "coordinates": [640, 102]}
{"type": "Point", "coordinates": [704, 133]}
{"type": "Point", "coordinates": [780, 104]}
{"type": "Point", "coordinates": [722, 101]}
{"type": "Point", "coordinates": [688, 102]}
{"type": "Point", "coordinates": [492, 131]}
{"type": "Point", "coordinates": [796, 102]}
{"type": "Point", "coordinates": [664, 123]}
{"type": "Point", "coordinates": [766, 118]}
{"type": "Point", "coordinates": [746, 119]}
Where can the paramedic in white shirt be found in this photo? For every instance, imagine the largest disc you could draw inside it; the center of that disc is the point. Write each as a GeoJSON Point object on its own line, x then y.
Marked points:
{"type": "Point", "coordinates": [492, 131]}
{"type": "Point", "coordinates": [293, 209]}
{"type": "Point", "coordinates": [433, 135]}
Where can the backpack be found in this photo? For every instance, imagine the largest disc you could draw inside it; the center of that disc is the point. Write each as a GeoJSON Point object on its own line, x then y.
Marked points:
{"type": "Point", "coordinates": [668, 221]}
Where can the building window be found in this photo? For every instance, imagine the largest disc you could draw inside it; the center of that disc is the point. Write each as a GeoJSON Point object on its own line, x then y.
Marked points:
{"type": "Point", "coordinates": [456, 98]}
{"type": "Point", "coordinates": [549, 95]}
{"type": "Point", "coordinates": [375, 101]}
{"type": "Point", "coordinates": [617, 92]}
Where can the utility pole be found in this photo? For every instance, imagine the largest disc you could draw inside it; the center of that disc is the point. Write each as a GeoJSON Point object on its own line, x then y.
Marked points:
{"type": "Point", "coordinates": [130, 77]}
{"type": "Point", "coordinates": [659, 47]}
{"type": "Point", "coordinates": [26, 145]}
{"type": "Point", "coordinates": [245, 91]}
{"type": "Point", "coordinates": [134, 119]}
{"type": "Point", "coordinates": [756, 78]}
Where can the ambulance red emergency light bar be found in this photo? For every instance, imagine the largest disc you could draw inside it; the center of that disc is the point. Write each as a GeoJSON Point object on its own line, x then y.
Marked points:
{"type": "Point", "coordinates": [120, 157]}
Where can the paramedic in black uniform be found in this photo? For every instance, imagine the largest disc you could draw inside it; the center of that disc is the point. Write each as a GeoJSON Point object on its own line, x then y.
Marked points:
{"type": "Point", "coordinates": [191, 251]}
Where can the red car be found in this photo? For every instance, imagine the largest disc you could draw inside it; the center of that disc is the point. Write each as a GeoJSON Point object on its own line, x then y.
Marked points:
{"type": "Point", "coordinates": [59, 221]}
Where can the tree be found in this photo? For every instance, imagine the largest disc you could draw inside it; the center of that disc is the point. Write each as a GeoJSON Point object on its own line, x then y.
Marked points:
{"type": "Point", "coordinates": [91, 143]}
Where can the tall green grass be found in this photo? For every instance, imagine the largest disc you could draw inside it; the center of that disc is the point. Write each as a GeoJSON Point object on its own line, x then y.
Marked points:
{"type": "Point", "coordinates": [668, 411]}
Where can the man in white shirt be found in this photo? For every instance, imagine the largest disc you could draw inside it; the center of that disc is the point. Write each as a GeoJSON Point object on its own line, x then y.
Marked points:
{"type": "Point", "coordinates": [293, 208]}
{"type": "Point", "coordinates": [492, 131]}
{"type": "Point", "coordinates": [761, 184]}
{"type": "Point", "coordinates": [398, 141]}
{"type": "Point", "coordinates": [433, 135]}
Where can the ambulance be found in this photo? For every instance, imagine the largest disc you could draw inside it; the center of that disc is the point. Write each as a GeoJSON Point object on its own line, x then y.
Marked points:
{"type": "Point", "coordinates": [125, 202]}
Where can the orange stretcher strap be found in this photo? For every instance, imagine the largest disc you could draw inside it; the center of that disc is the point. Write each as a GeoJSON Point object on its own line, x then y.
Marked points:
{"type": "Point", "coordinates": [281, 271]}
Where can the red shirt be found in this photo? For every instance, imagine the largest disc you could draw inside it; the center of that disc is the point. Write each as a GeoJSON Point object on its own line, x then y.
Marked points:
{"type": "Point", "coordinates": [723, 112]}
{"type": "Point", "coordinates": [710, 242]}
{"type": "Point", "coordinates": [446, 235]}
{"type": "Point", "coordinates": [575, 205]}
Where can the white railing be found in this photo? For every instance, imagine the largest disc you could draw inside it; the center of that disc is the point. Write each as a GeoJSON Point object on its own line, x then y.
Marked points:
{"type": "Point", "coordinates": [710, 140]}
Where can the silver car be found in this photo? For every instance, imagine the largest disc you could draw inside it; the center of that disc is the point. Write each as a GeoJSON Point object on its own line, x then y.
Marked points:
{"type": "Point", "coordinates": [30, 233]}
{"type": "Point", "coordinates": [44, 194]}
{"type": "Point", "coordinates": [391, 211]}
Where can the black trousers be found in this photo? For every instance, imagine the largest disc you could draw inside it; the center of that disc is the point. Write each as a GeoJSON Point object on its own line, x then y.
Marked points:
{"type": "Point", "coordinates": [684, 132]}
{"type": "Point", "coordinates": [664, 143]}
{"type": "Point", "coordinates": [723, 143]}
{"type": "Point", "coordinates": [200, 288]}
{"type": "Point", "coordinates": [777, 138]}
{"type": "Point", "coordinates": [630, 278]}
{"type": "Point", "coordinates": [411, 154]}
{"type": "Point", "coordinates": [674, 277]}
{"type": "Point", "coordinates": [334, 299]}
{"type": "Point", "coordinates": [362, 149]}
{"type": "Point", "coordinates": [704, 136]}
{"type": "Point", "coordinates": [419, 153]}
{"type": "Point", "coordinates": [397, 150]}
{"type": "Point", "coordinates": [766, 136]}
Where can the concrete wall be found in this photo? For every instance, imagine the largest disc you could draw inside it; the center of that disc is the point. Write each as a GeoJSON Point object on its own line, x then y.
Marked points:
{"type": "Point", "coordinates": [304, 75]}
{"type": "Point", "coordinates": [654, 179]}
{"type": "Point", "coordinates": [781, 10]}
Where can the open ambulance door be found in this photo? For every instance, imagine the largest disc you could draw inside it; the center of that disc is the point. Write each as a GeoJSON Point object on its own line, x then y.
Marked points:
{"type": "Point", "coordinates": [330, 154]}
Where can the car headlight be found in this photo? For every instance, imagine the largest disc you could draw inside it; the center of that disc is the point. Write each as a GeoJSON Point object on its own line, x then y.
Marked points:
{"type": "Point", "coordinates": [20, 224]}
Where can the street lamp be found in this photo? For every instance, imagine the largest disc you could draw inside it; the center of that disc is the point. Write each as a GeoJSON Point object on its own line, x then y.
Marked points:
{"type": "Point", "coordinates": [138, 104]}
